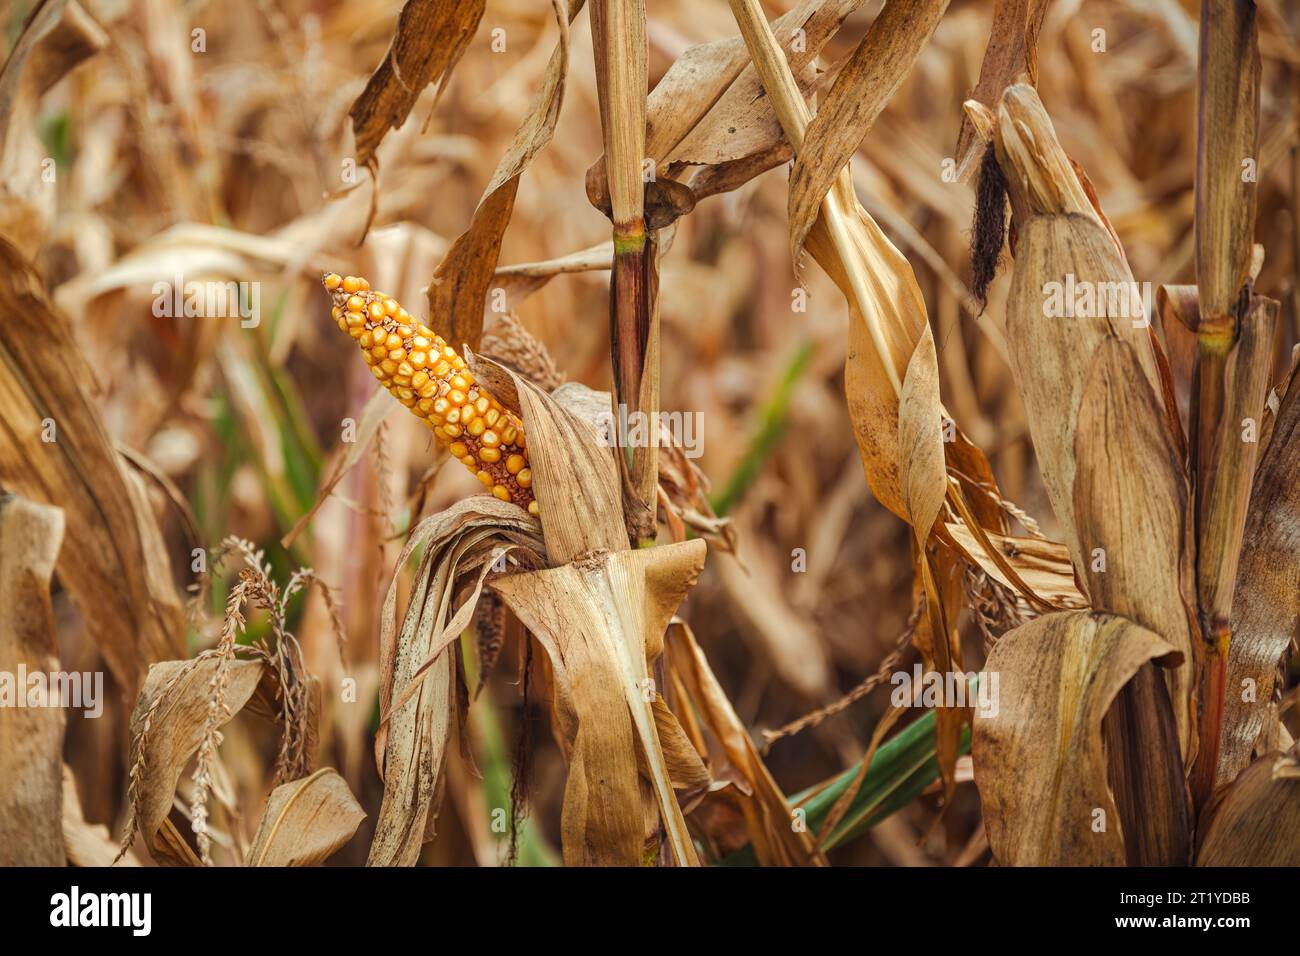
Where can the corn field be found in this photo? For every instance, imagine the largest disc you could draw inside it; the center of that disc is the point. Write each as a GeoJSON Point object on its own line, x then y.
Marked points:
{"type": "Point", "coordinates": [650, 433]}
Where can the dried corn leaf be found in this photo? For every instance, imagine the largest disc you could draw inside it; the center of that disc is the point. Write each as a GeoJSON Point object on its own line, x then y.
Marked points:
{"type": "Point", "coordinates": [1039, 761]}
{"type": "Point", "coordinates": [1266, 608]}
{"type": "Point", "coordinates": [431, 36]}
{"type": "Point", "coordinates": [460, 283]}
{"type": "Point", "coordinates": [167, 727]}
{"type": "Point", "coordinates": [866, 83]}
{"type": "Point", "coordinates": [419, 672]}
{"type": "Point", "coordinates": [112, 567]}
{"type": "Point", "coordinates": [31, 731]}
{"type": "Point", "coordinates": [306, 821]}
{"type": "Point", "coordinates": [1041, 564]}
{"type": "Point", "coordinates": [1256, 821]}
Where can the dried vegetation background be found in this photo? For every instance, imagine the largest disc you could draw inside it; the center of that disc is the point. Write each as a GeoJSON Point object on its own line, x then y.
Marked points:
{"type": "Point", "coordinates": [199, 465]}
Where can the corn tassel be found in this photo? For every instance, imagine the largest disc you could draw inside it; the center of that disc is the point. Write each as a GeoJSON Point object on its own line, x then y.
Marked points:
{"type": "Point", "coordinates": [426, 375]}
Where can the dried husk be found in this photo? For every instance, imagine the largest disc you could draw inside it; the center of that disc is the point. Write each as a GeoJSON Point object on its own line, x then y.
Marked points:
{"type": "Point", "coordinates": [1039, 762]}
{"type": "Point", "coordinates": [1256, 820]}
{"type": "Point", "coordinates": [1266, 607]}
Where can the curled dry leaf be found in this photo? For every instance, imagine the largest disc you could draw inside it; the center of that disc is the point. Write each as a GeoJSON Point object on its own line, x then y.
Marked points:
{"type": "Point", "coordinates": [731, 753]}
{"type": "Point", "coordinates": [167, 727]}
{"type": "Point", "coordinates": [1039, 761]}
{"type": "Point", "coordinates": [306, 821]}
{"type": "Point", "coordinates": [1041, 564]}
{"type": "Point", "coordinates": [31, 732]}
{"type": "Point", "coordinates": [419, 666]}
{"type": "Point", "coordinates": [430, 39]}
{"type": "Point", "coordinates": [1256, 821]}
{"type": "Point", "coordinates": [86, 844]}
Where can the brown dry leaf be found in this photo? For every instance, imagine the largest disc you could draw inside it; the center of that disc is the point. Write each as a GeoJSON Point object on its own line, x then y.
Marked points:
{"type": "Point", "coordinates": [743, 121]}
{"type": "Point", "coordinates": [600, 612]}
{"type": "Point", "coordinates": [57, 36]}
{"type": "Point", "coordinates": [167, 727]}
{"type": "Point", "coordinates": [866, 83]}
{"type": "Point", "coordinates": [686, 770]}
{"type": "Point", "coordinates": [306, 821]}
{"type": "Point", "coordinates": [1012, 50]}
{"type": "Point", "coordinates": [431, 36]}
{"type": "Point", "coordinates": [1256, 821]}
{"type": "Point", "coordinates": [1266, 608]}
{"type": "Point", "coordinates": [112, 567]}
{"type": "Point", "coordinates": [1130, 506]}
{"type": "Point", "coordinates": [460, 283]}
{"type": "Point", "coordinates": [1039, 761]}
{"type": "Point", "coordinates": [1041, 564]}
{"type": "Point", "coordinates": [767, 814]}
{"type": "Point", "coordinates": [31, 731]}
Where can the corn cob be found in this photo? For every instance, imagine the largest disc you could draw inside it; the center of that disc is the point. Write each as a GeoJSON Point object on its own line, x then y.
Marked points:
{"type": "Point", "coordinates": [426, 375]}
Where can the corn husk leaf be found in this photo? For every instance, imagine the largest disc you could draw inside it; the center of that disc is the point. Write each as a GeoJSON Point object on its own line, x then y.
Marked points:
{"type": "Point", "coordinates": [31, 737]}
{"type": "Point", "coordinates": [1266, 608]}
{"type": "Point", "coordinates": [306, 821]}
{"type": "Point", "coordinates": [1256, 821]}
{"type": "Point", "coordinates": [1039, 761]}
{"type": "Point", "coordinates": [1130, 502]}
{"type": "Point", "coordinates": [419, 669]}
{"type": "Point", "coordinates": [600, 620]}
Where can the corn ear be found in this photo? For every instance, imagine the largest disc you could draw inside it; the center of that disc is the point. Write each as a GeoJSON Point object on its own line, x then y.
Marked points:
{"type": "Point", "coordinates": [425, 374]}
